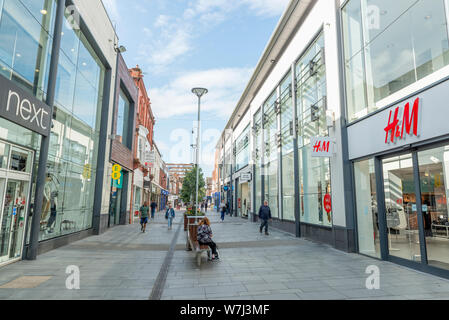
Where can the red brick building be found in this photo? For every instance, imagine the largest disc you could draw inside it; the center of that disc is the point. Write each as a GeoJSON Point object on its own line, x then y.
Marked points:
{"type": "Point", "coordinates": [143, 141]}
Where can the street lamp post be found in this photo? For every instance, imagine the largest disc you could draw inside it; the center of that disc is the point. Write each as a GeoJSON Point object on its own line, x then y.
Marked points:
{"type": "Point", "coordinates": [199, 92]}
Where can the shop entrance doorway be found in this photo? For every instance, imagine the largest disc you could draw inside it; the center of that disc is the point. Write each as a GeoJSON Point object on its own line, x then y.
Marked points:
{"type": "Point", "coordinates": [414, 207]}
{"type": "Point", "coordinates": [15, 176]}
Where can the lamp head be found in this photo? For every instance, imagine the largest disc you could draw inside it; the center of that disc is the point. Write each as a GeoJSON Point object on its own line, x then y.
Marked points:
{"type": "Point", "coordinates": [199, 91]}
{"type": "Point", "coordinates": [120, 49]}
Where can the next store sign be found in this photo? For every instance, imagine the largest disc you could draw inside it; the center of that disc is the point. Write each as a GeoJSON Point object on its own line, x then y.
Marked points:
{"type": "Point", "coordinates": [23, 108]}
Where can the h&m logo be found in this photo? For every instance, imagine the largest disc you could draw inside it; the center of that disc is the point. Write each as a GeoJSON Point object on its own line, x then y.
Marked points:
{"type": "Point", "coordinates": [409, 122]}
{"type": "Point", "coordinates": [27, 110]}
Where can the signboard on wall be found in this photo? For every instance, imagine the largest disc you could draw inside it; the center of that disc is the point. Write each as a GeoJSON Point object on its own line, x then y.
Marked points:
{"type": "Point", "coordinates": [322, 146]}
{"type": "Point", "coordinates": [418, 118]}
{"type": "Point", "coordinates": [245, 177]}
{"type": "Point", "coordinates": [23, 108]}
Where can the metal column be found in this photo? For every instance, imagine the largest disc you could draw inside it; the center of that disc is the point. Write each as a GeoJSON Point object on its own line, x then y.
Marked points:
{"type": "Point", "coordinates": [45, 141]}
{"type": "Point", "coordinates": [296, 155]}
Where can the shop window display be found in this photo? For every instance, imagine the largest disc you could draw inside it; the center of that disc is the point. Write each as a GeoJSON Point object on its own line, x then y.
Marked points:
{"type": "Point", "coordinates": [74, 139]}
{"type": "Point", "coordinates": [315, 182]}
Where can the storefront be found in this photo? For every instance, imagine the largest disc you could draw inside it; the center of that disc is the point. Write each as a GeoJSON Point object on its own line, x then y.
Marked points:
{"type": "Point", "coordinates": [243, 195]}
{"type": "Point", "coordinates": [75, 128]}
{"type": "Point", "coordinates": [398, 138]}
{"type": "Point", "coordinates": [402, 189]}
{"type": "Point", "coordinates": [16, 166]}
{"type": "Point", "coordinates": [121, 157]}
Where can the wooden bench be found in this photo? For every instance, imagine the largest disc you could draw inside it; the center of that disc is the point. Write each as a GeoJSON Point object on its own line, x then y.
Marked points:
{"type": "Point", "coordinates": [193, 245]}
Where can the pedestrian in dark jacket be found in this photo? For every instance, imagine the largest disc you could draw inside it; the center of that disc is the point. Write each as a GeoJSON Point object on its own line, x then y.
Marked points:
{"type": "Point", "coordinates": [153, 209]}
{"type": "Point", "coordinates": [264, 215]}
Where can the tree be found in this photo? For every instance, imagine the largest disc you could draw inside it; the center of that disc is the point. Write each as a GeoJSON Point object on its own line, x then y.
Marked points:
{"type": "Point", "coordinates": [189, 186]}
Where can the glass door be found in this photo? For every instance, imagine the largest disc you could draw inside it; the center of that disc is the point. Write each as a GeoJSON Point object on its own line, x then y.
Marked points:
{"type": "Point", "coordinates": [12, 222]}
{"type": "Point", "coordinates": [434, 182]}
{"type": "Point", "coordinates": [401, 208]}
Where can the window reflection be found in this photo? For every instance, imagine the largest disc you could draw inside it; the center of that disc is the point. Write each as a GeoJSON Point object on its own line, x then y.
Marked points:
{"type": "Point", "coordinates": [314, 173]}
{"type": "Point", "coordinates": [404, 41]}
{"type": "Point", "coordinates": [271, 155]}
{"type": "Point", "coordinates": [25, 45]}
{"type": "Point", "coordinates": [70, 186]}
{"type": "Point", "coordinates": [367, 210]}
{"type": "Point", "coordinates": [434, 180]}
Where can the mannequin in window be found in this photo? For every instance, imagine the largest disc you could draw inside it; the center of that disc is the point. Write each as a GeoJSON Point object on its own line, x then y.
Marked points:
{"type": "Point", "coordinates": [53, 206]}
{"type": "Point", "coordinates": [47, 194]}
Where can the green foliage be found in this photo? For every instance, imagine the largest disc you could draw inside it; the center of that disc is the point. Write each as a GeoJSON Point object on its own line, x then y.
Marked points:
{"type": "Point", "coordinates": [189, 186]}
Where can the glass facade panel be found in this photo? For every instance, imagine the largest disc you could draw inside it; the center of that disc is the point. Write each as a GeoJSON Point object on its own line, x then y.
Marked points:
{"type": "Point", "coordinates": [315, 182]}
{"type": "Point", "coordinates": [25, 45]}
{"type": "Point", "coordinates": [258, 159]}
{"type": "Point", "coordinates": [367, 211]}
{"type": "Point", "coordinates": [271, 155]}
{"type": "Point", "coordinates": [74, 139]}
{"type": "Point", "coordinates": [401, 43]}
{"type": "Point", "coordinates": [123, 119]}
{"type": "Point", "coordinates": [242, 150]}
{"type": "Point", "coordinates": [288, 174]}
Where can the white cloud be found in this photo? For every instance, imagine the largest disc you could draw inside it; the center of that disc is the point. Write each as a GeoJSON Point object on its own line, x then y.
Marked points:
{"type": "Point", "coordinates": [177, 33]}
{"type": "Point", "coordinates": [225, 88]}
{"type": "Point", "coordinates": [267, 7]}
{"type": "Point", "coordinates": [162, 21]}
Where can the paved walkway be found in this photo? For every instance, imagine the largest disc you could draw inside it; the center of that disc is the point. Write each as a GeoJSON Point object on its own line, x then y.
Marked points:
{"type": "Point", "coordinates": [124, 263]}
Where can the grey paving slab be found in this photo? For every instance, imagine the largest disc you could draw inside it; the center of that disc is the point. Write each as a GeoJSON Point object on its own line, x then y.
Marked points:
{"type": "Point", "coordinates": [123, 264]}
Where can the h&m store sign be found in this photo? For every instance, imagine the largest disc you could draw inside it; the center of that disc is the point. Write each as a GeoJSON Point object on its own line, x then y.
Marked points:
{"type": "Point", "coordinates": [416, 119]}
{"type": "Point", "coordinates": [23, 108]}
{"type": "Point", "coordinates": [403, 121]}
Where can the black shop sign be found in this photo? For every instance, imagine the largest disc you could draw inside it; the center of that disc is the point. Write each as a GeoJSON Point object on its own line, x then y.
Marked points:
{"type": "Point", "coordinates": [23, 108]}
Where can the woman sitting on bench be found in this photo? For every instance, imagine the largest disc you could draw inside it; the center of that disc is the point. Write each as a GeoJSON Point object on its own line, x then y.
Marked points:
{"type": "Point", "coordinates": [205, 237]}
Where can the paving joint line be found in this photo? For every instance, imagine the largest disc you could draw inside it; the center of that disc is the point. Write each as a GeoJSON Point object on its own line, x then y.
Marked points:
{"type": "Point", "coordinates": [161, 279]}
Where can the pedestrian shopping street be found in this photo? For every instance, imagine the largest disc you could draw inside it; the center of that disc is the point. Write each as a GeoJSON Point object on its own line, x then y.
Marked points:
{"type": "Point", "coordinates": [124, 263]}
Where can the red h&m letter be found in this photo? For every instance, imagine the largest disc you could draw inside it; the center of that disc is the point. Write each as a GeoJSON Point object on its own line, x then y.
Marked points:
{"type": "Point", "coordinates": [392, 125]}
{"type": "Point", "coordinates": [409, 119]}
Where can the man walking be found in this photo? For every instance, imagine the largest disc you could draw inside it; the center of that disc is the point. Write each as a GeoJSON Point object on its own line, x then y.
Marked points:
{"type": "Point", "coordinates": [153, 209]}
{"type": "Point", "coordinates": [223, 210]}
{"type": "Point", "coordinates": [205, 206]}
{"type": "Point", "coordinates": [264, 215]}
{"type": "Point", "coordinates": [170, 215]}
{"type": "Point", "coordinates": [144, 217]}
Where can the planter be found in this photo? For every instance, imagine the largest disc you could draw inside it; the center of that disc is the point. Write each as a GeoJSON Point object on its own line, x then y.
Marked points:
{"type": "Point", "coordinates": [191, 220]}
{"type": "Point", "coordinates": [194, 219]}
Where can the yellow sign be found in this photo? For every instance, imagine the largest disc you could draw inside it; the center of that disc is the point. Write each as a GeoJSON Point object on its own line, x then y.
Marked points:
{"type": "Point", "coordinates": [116, 172]}
{"type": "Point", "coordinates": [87, 171]}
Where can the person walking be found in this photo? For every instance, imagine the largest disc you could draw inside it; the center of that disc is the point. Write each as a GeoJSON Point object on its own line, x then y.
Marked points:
{"type": "Point", "coordinates": [153, 209]}
{"type": "Point", "coordinates": [264, 215]}
{"type": "Point", "coordinates": [222, 210]}
{"type": "Point", "coordinates": [205, 207]}
{"type": "Point", "coordinates": [227, 208]}
{"type": "Point", "coordinates": [204, 236]}
{"type": "Point", "coordinates": [144, 216]}
{"type": "Point", "coordinates": [170, 215]}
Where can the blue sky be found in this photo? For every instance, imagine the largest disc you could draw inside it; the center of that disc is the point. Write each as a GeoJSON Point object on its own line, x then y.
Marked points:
{"type": "Point", "coordinates": [181, 44]}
